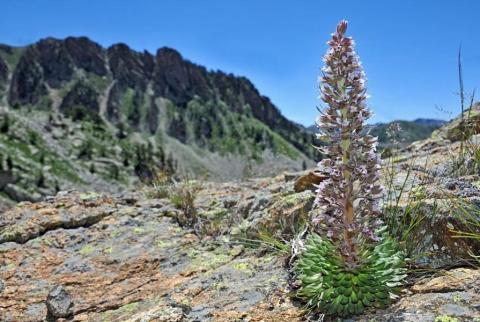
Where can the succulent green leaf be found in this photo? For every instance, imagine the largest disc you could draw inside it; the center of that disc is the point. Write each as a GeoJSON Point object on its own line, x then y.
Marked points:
{"type": "Point", "coordinates": [337, 291]}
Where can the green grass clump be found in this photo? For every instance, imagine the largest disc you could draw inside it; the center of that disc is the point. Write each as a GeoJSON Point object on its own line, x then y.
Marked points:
{"type": "Point", "coordinates": [332, 289]}
{"type": "Point", "coordinates": [99, 83]}
{"type": "Point", "coordinates": [182, 195]}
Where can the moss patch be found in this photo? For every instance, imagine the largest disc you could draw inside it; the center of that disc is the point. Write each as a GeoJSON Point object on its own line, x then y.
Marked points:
{"type": "Point", "coordinates": [86, 250]}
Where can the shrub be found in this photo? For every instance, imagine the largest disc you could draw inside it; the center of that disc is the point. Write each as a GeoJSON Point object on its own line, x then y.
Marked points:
{"type": "Point", "coordinates": [182, 195]}
{"type": "Point", "coordinates": [403, 206]}
{"type": "Point", "coordinates": [160, 186]}
{"type": "Point", "coordinates": [468, 215]}
{"type": "Point", "coordinates": [355, 256]}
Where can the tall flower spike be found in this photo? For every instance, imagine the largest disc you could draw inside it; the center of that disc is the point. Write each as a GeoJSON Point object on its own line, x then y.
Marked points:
{"type": "Point", "coordinates": [343, 267]}
{"type": "Point", "coordinates": [348, 199]}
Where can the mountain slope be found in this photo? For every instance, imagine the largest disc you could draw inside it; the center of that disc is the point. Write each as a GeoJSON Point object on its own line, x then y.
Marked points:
{"type": "Point", "coordinates": [70, 65]}
{"type": "Point", "coordinates": [410, 131]}
{"type": "Point", "coordinates": [114, 116]}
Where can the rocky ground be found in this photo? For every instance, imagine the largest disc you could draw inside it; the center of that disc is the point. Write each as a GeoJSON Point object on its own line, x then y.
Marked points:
{"type": "Point", "coordinates": [124, 259]}
{"type": "Point", "coordinates": [127, 259]}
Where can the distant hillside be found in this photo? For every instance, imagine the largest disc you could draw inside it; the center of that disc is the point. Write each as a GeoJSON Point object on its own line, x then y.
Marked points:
{"type": "Point", "coordinates": [430, 122]}
{"type": "Point", "coordinates": [76, 114]}
{"type": "Point", "coordinates": [411, 131]}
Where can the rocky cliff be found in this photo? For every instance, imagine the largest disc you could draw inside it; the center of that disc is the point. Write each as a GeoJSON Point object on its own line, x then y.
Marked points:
{"type": "Point", "coordinates": [76, 114]}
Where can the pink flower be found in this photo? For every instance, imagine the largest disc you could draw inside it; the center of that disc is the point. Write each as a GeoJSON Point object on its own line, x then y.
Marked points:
{"type": "Point", "coordinates": [351, 159]}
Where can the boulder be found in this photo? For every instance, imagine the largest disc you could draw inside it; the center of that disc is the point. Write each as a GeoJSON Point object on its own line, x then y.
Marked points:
{"type": "Point", "coordinates": [59, 302]}
{"type": "Point", "coordinates": [451, 297]}
{"type": "Point", "coordinates": [308, 182]}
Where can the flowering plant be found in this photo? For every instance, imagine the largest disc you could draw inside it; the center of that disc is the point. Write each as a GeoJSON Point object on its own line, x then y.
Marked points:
{"type": "Point", "coordinates": [349, 262]}
{"type": "Point", "coordinates": [349, 197]}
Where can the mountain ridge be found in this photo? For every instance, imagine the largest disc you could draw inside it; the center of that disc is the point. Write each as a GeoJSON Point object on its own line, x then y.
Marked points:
{"type": "Point", "coordinates": [174, 77]}
{"type": "Point", "coordinates": [113, 116]}
{"type": "Point", "coordinates": [410, 131]}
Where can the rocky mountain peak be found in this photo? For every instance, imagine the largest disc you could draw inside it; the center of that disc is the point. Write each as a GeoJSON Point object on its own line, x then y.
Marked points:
{"type": "Point", "coordinates": [86, 54]}
{"type": "Point", "coordinates": [119, 114]}
{"type": "Point", "coordinates": [130, 68]}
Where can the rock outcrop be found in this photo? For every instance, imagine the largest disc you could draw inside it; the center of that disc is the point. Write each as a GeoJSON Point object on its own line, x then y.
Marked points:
{"type": "Point", "coordinates": [81, 103]}
{"type": "Point", "coordinates": [125, 258]}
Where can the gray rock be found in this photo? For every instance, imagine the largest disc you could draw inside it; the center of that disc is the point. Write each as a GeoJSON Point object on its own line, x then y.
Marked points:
{"type": "Point", "coordinates": [59, 302]}
{"type": "Point", "coordinates": [74, 264]}
{"type": "Point", "coordinates": [2, 286]}
{"type": "Point", "coordinates": [452, 309]}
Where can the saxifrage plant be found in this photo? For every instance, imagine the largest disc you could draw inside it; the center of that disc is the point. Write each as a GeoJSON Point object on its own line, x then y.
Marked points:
{"type": "Point", "coordinates": [348, 262]}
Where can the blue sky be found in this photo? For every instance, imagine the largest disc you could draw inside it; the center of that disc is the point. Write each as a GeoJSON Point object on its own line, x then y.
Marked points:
{"type": "Point", "coordinates": [408, 48]}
